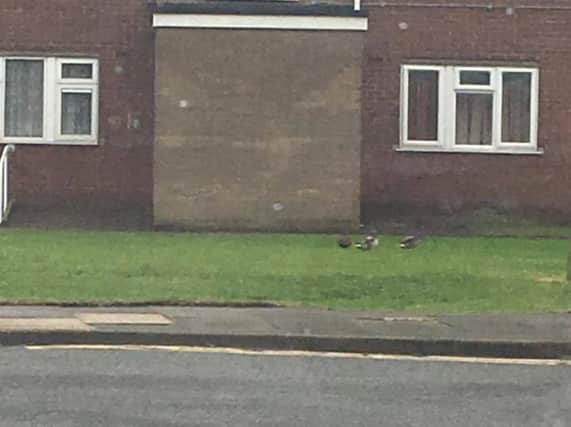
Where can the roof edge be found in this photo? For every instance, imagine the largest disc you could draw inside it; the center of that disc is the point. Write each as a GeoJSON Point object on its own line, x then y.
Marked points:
{"type": "Point", "coordinates": [288, 8]}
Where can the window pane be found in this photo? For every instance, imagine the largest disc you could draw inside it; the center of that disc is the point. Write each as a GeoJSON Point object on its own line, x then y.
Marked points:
{"type": "Point", "coordinates": [24, 104]}
{"type": "Point", "coordinates": [516, 107]}
{"type": "Point", "coordinates": [77, 71]}
{"type": "Point", "coordinates": [423, 105]}
{"type": "Point", "coordinates": [475, 78]}
{"type": "Point", "coordinates": [474, 119]}
{"type": "Point", "coordinates": [76, 114]}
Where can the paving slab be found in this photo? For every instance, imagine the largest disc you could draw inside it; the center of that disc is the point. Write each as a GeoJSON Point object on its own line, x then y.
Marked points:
{"type": "Point", "coordinates": [405, 327]}
{"type": "Point", "coordinates": [42, 324]}
{"type": "Point", "coordinates": [309, 321]}
{"type": "Point", "coordinates": [34, 311]}
{"type": "Point", "coordinates": [123, 318]}
{"type": "Point", "coordinates": [548, 327]}
{"type": "Point", "coordinates": [218, 320]}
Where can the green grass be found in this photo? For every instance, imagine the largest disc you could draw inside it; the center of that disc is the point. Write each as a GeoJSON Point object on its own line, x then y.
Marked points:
{"type": "Point", "coordinates": [519, 228]}
{"type": "Point", "coordinates": [441, 275]}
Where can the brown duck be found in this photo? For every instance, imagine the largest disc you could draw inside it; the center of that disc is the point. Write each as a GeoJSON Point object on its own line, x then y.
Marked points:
{"type": "Point", "coordinates": [409, 242]}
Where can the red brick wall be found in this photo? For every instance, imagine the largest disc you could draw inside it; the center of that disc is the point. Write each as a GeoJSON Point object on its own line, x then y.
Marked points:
{"type": "Point", "coordinates": [455, 181]}
{"type": "Point", "coordinates": [117, 172]}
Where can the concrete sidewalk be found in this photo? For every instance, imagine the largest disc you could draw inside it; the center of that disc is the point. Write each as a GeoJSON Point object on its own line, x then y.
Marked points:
{"type": "Point", "coordinates": [501, 335]}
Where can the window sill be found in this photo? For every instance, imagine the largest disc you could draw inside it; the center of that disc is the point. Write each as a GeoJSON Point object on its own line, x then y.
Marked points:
{"type": "Point", "coordinates": [70, 142]}
{"type": "Point", "coordinates": [525, 152]}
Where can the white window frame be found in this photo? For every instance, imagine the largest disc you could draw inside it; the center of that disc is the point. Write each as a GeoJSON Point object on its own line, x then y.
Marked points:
{"type": "Point", "coordinates": [404, 107]}
{"type": "Point", "coordinates": [475, 87]}
{"type": "Point", "coordinates": [17, 139]}
{"type": "Point", "coordinates": [534, 108]}
{"type": "Point", "coordinates": [490, 89]}
{"type": "Point", "coordinates": [448, 87]}
{"type": "Point", "coordinates": [76, 85]}
{"type": "Point", "coordinates": [54, 86]}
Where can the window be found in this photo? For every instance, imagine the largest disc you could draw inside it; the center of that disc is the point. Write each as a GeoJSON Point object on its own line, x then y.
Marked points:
{"type": "Point", "coordinates": [48, 100]}
{"type": "Point", "coordinates": [470, 109]}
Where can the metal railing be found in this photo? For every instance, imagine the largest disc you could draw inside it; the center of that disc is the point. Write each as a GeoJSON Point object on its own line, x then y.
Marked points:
{"type": "Point", "coordinates": [5, 202]}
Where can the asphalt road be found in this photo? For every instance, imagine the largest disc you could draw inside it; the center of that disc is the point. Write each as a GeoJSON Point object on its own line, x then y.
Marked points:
{"type": "Point", "coordinates": [167, 389]}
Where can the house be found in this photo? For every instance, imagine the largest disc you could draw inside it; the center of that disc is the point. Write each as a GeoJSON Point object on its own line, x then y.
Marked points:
{"type": "Point", "coordinates": [288, 116]}
{"type": "Point", "coordinates": [76, 97]}
{"type": "Point", "coordinates": [466, 105]}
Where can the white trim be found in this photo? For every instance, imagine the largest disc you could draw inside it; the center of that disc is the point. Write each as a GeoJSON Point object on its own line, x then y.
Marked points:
{"type": "Point", "coordinates": [494, 131]}
{"type": "Point", "coordinates": [534, 114]}
{"type": "Point", "coordinates": [77, 85]}
{"type": "Point", "coordinates": [75, 89]}
{"type": "Point", "coordinates": [448, 89]}
{"type": "Point", "coordinates": [476, 87]}
{"type": "Point", "coordinates": [18, 139]}
{"type": "Point", "coordinates": [54, 84]}
{"type": "Point", "coordinates": [533, 110]}
{"type": "Point", "coordinates": [475, 149]}
{"type": "Point", "coordinates": [405, 69]}
{"type": "Point", "coordinates": [32, 141]}
{"type": "Point", "coordinates": [50, 101]}
{"type": "Point", "coordinates": [79, 61]}
{"type": "Point", "coordinates": [2, 98]}
{"type": "Point", "coordinates": [268, 22]}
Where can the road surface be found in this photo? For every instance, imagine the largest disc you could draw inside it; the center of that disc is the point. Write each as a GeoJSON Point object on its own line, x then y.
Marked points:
{"type": "Point", "coordinates": [80, 387]}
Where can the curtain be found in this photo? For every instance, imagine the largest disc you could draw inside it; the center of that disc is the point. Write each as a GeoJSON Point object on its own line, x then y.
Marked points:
{"type": "Point", "coordinates": [516, 107]}
{"type": "Point", "coordinates": [24, 105]}
{"type": "Point", "coordinates": [76, 113]}
{"type": "Point", "coordinates": [423, 105]}
{"type": "Point", "coordinates": [474, 118]}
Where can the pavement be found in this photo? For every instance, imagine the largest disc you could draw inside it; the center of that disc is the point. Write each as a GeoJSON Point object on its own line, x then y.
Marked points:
{"type": "Point", "coordinates": [541, 336]}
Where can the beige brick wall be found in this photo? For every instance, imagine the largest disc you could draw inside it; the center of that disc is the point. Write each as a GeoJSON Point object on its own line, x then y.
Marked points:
{"type": "Point", "coordinates": [257, 130]}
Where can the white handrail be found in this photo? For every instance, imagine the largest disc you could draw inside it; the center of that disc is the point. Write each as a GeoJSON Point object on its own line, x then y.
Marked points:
{"type": "Point", "coordinates": [4, 202]}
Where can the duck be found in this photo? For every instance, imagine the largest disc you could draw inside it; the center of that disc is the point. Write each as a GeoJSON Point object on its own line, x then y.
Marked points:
{"type": "Point", "coordinates": [344, 241]}
{"type": "Point", "coordinates": [409, 242]}
{"type": "Point", "coordinates": [368, 243]}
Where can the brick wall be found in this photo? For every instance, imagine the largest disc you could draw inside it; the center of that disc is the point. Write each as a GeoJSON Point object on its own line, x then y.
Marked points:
{"type": "Point", "coordinates": [119, 172]}
{"type": "Point", "coordinates": [394, 180]}
{"type": "Point", "coordinates": [258, 129]}
{"type": "Point", "coordinates": [116, 175]}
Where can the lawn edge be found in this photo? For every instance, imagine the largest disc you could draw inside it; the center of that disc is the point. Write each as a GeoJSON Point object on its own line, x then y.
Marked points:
{"type": "Point", "coordinates": [157, 303]}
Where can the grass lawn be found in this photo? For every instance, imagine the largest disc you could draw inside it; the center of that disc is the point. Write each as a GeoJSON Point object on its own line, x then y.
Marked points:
{"type": "Point", "coordinates": [441, 275]}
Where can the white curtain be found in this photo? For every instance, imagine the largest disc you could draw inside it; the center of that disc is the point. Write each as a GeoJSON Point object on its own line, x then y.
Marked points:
{"type": "Point", "coordinates": [76, 114]}
{"type": "Point", "coordinates": [24, 108]}
{"type": "Point", "coordinates": [474, 119]}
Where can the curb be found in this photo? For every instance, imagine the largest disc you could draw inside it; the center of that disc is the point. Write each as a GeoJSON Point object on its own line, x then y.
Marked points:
{"type": "Point", "coordinates": [157, 303]}
{"type": "Point", "coordinates": [402, 346]}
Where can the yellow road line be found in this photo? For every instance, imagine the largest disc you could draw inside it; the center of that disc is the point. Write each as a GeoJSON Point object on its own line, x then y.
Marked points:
{"type": "Point", "coordinates": [292, 353]}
